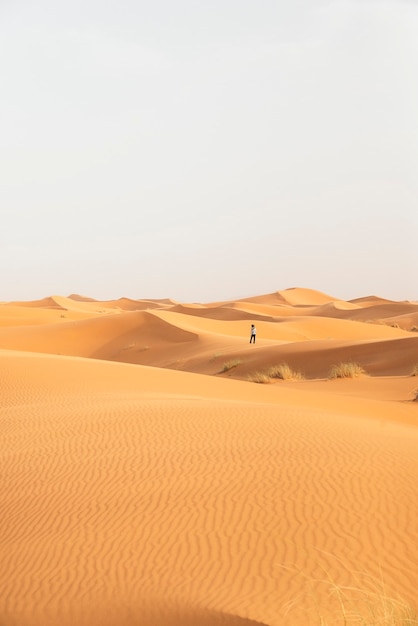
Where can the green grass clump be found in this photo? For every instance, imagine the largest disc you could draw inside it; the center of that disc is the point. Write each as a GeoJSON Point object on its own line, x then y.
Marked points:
{"type": "Point", "coordinates": [346, 370]}
{"type": "Point", "coordinates": [284, 372]}
{"type": "Point", "coordinates": [229, 365]}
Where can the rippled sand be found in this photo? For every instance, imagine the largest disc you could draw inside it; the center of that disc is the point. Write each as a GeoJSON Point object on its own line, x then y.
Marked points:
{"type": "Point", "coordinates": [144, 485]}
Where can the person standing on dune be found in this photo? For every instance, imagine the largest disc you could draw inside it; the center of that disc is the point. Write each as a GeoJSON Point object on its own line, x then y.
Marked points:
{"type": "Point", "coordinates": [252, 333]}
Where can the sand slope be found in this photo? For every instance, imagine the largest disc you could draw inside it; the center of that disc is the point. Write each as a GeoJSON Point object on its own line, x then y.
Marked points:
{"type": "Point", "coordinates": [134, 494]}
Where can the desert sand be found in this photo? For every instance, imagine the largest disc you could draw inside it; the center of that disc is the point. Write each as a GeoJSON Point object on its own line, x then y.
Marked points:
{"type": "Point", "coordinates": [147, 480]}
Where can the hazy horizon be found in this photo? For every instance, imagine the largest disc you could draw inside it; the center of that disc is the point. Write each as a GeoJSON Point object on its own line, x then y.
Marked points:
{"type": "Point", "coordinates": [208, 151]}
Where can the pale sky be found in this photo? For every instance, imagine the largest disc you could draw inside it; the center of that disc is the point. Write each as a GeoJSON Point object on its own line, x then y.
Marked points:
{"type": "Point", "coordinates": [204, 150]}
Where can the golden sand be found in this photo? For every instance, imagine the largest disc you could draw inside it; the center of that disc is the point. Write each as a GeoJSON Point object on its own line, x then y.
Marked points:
{"type": "Point", "coordinates": [145, 483]}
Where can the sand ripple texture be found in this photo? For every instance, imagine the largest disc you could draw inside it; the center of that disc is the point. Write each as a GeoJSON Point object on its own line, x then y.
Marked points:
{"type": "Point", "coordinates": [139, 496]}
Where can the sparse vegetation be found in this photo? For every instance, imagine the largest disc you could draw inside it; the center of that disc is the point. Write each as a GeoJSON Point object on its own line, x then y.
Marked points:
{"type": "Point", "coordinates": [284, 372]}
{"type": "Point", "coordinates": [365, 602]}
{"type": "Point", "coordinates": [133, 345]}
{"type": "Point", "coordinates": [415, 370]}
{"type": "Point", "coordinates": [414, 329]}
{"type": "Point", "coordinates": [229, 365]}
{"type": "Point", "coordinates": [259, 377]}
{"type": "Point", "coordinates": [346, 370]}
{"type": "Point", "coordinates": [369, 607]}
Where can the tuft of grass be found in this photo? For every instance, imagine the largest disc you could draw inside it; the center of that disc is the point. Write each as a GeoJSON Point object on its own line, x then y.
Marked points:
{"type": "Point", "coordinates": [259, 377]}
{"type": "Point", "coordinates": [366, 601]}
{"type": "Point", "coordinates": [229, 365]}
{"type": "Point", "coordinates": [367, 606]}
{"type": "Point", "coordinates": [284, 372]}
{"type": "Point", "coordinates": [131, 346]}
{"type": "Point", "coordinates": [346, 370]}
{"type": "Point", "coordinates": [415, 370]}
{"type": "Point", "coordinates": [414, 329]}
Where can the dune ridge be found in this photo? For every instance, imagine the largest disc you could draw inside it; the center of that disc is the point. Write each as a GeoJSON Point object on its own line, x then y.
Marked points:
{"type": "Point", "coordinates": [143, 484]}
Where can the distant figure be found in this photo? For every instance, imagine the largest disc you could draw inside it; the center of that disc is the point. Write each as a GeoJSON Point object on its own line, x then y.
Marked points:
{"type": "Point", "coordinates": [252, 334]}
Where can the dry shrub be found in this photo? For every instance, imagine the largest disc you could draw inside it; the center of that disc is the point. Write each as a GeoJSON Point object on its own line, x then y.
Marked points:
{"type": "Point", "coordinates": [259, 377]}
{"type": "Point", "coordinates": [415, 370]}
{"type": "Point", "coordinates": [284, 372]}
{"type": "Point", "coordinates": [229, 365]}
{"type": "Point", "coordinates": [346, 370]}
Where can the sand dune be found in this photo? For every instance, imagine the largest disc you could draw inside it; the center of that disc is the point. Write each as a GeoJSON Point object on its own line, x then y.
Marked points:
{"type": "Point", "coordinates": [370, 301]}
{"type": "Point", "coordinates": [44, 303]}
{"type": "Point", "coordinates": [383, 312]}
{"type": "Point", "coordinates": [297, 296]}
{"type": "Point", "coordinates": [134, 493]}
{"type": "Point", "coordinates": [293, 296]}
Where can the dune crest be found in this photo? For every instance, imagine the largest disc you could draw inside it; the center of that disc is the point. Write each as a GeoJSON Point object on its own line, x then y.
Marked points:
{"type": "Point", "coordinates": [297, 296]}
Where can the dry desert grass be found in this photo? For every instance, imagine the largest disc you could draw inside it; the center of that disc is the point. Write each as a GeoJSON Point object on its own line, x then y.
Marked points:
{"type": "Point", "coordinates": [276, 372]}
{"type": "Point", "coordinates": [365, 601]}
{"type": "Point", "coordinates": [261, 378]}
{"type": "Point", "coordinates": [229, 365]}
{"type": "Point", "coordinates": [140, 486]}
{"type": "Point", "coordinates": [284, 372]}
{"type": "Point", "coordinates": [346, 370]}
